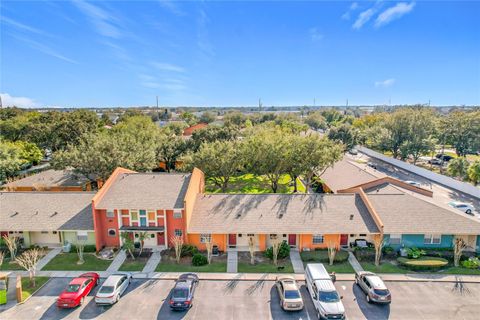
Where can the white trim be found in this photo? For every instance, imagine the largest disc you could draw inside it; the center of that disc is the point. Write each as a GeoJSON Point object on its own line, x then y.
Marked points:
{"type": "Point", "coordinates": [165, 227]}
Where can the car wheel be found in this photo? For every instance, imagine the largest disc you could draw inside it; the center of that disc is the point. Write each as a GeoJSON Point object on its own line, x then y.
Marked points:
{"type": "Point", "coordinates": [368, 299]}
{"type": "Point", "coordinates": [468, 211]}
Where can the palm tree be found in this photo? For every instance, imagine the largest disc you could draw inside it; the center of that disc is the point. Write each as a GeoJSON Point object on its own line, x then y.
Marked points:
{"type": "Point", "coordinates": [141, 237]}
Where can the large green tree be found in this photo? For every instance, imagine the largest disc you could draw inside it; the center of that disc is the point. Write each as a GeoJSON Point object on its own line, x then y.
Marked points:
{"type": "Point", "coordinates": [219, 160]}
{"type": "Point", "coordinates": [169, 149]}
{"type": "Point", "coordinates": [10, 159]}
{"type": "Point", "coordinates": [345, 134]}
{"type": "Point", "coordinates": [473, 172]}
{"type": "Point", "coordinates": [316, 121]}
{"type": "Point", "coordinates": [462, 130]}
{"type": "Point", "coordinates": [458, 167]}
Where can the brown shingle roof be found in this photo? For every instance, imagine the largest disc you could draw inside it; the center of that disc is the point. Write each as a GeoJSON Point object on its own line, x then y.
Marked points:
{"type": "Point", "coordinates": [46, 211]}
{"type": "Point", "coordinates": [51, 178]}
{"type": "Point", "coordinates": [280, 213]}
{"type": "Point", "coordinates": [345, 174]}
{"type": "Point", "coordinates": [146, 191]}
{"type": "Point", "coordinates": [407, 214]}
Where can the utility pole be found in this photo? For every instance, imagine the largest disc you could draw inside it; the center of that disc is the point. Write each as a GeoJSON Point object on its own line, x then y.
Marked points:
{"type": "Point", "coordinates": [157, 102]}
{"type": "Point", "coordinates": [347, 102]}
{"type": "Point", "coordinates": [1, 104]}
{"type": "Point", "coordinates": [314, 102]}
{"type": "Point", "coordinates": [260, 104]}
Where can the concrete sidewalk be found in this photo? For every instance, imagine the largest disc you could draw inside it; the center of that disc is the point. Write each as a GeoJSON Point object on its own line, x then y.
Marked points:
{"type": "Point", "coordinates": [152, 263]}
{"type": "Point", "coordinates": [297, 262]}
{"type": "Point", "coordinates": [118, 261]}
{"type": "Point", "coordinates": [232, 261]}
{"type": "Point", "coordinates": [413, 277]}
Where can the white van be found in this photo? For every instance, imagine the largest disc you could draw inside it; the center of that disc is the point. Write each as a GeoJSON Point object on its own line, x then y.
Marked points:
{"type": "Point", "coordinates": [325, 297]}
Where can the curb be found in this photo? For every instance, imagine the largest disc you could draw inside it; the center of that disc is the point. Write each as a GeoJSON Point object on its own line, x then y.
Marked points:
{"type": "Point", "coordinates": [22, 302]}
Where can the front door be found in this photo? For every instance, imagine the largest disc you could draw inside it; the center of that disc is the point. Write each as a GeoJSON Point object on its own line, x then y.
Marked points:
{"type": "Point", "coordinates": [160, 238]}
{"type": "Point", "coordinates": [292, 239]}
{"type": "Point", "coordinates": [344, 240]}
{"type": "Point", "coordinates": [232, 239]}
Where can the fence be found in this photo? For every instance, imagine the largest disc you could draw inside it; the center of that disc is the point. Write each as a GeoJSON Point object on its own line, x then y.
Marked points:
{"type": "Point", "coordinates": [441, 179]}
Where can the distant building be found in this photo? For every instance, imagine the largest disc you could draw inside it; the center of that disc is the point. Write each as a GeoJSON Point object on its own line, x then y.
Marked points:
{"type": "Point", "coordinates": [190, 130]}
{"type": "Point", "coordinates": [50, 180]}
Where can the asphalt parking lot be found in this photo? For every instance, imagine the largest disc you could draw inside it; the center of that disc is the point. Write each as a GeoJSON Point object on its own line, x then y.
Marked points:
{"type": "Point", "coordinates": [146, 299]}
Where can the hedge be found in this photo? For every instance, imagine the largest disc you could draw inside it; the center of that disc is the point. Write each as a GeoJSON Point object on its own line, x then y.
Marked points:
{"type": "Point", "coordinates": [199, 260]}
{"type": "Point", "coordinates": [364, 254]}
{"type": "Point", "coordinates": [86, 248]}
{"type": "Point", "coordinates": [283, 252]}
{"type": "Point", "coordinates": [423, 263]}
{"type": "Point", "coordinates": [322, 256]}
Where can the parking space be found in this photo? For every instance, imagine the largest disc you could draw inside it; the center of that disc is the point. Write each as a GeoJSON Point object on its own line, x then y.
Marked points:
{"type": "Point", "coordinates": [147, 299]}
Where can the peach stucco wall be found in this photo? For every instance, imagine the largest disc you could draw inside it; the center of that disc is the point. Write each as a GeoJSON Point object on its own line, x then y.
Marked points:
{"type": "Point", "coordinates": [306, 241]}
{"type": "Point", "coordinates": [219, 240]}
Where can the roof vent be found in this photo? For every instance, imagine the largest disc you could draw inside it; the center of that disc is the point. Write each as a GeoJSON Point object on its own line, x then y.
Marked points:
{"type": "Point", "coordinates": [54, 214]}
{"type": "Point", "coordinates": [36, 213]}
{"type": "Point", "coordinates": [351, 217]}
{"type": "Point", "coordinates": [13, 215]}
{"type": "Point", "coordinates": [238, 215]}
{"type": "Point", "coordinates": [280, 215]}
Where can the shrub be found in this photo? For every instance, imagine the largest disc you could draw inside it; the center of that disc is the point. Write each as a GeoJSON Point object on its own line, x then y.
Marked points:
{"type": "Point", "coordinates": [86, 248]}
{"type": "Point", "coordinates": [283, 252]}
{"type": "Point", "coordinates": [364, 254]}
{"type": "Point", "coordinates": [199, 260]}
{"type": "Point", "coordinates": [471, 263]}
{"type": "Point", "coordinates": [188, 250]}
{"type": "Point", "coordinates": [389, 252]}
{"type": "Point", "coordinates": [321, 255]}
{"type": "Point", "coordinates": [415, 253]}
{"type": "Point", "coordinates": [423, 263]}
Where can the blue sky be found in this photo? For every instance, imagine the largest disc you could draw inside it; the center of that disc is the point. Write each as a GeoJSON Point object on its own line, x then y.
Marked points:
{"type": "Point", "coordinates": [229, 53]}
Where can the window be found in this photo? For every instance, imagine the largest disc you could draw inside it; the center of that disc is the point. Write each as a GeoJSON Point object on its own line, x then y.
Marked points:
{"type": "Point", "coordinates": [54, 232]}
{"type": "Point", "coordinates": [250, 235]}
{"type": "Point", "coordinates": [205, 237]}
{"type": "Point", "coordinates": [151, 215]}
{"type": "Point", "coordinates": [432, 239]}
{"type": "Point", "coordinates": [317, 239]}
{"type": "Point", "coordinates": [110, 214]}
{"type": "Point", "coordinates": [284, 235]}
{"type": "Point", "coordinates": [152, 235]}
{"type": "Point", "coordinates": [178, 232]}
{"type": "Point", "coordinates": [134, 214]}
{"type": "Point", "coordinates": [44, 232]}
{"type": "Point", "coordinates": [362, 234]}
{"type": "Point", "coordinates": [273, 236]}
{"type": "Point", "coordinates": [143, 213]}
{"type": "Point", "coordinates": [177, 214]}
{"type": "Point", "coordinates": [82, 235]}
{"type": "Point", "coordinates": [112, 232]}
{"type": "Point", "coordinates": [395, 238]}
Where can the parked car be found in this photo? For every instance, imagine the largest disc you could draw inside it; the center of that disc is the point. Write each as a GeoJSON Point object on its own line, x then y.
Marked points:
{"type": "Point", "coordinates": [113, 287]}
{"type": "Point", "coordinates": [325, 298]}
{"type": "Point", "coordinates": [413, 183]}
{"type": "Point", "coordinates": [435, 161]}
{"type": "Point", "coordinates": [76, 291]}
{"type": "Point", "coordinates": [465, 207]}
{"type": "Point", "coordinates": [183, 292]}
{"type": "Point", "coordinates": [446, 157]}
{"type": "Point", "coordinates": [373, 286]}
{"type": "Point", "coordinates": [372, 165]}
{"type": "Point", "coordinates": [290, 296]}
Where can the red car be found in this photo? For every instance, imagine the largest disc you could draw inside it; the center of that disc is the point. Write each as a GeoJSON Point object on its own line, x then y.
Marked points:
{"type": "Point", "coordinates": [77, 290]}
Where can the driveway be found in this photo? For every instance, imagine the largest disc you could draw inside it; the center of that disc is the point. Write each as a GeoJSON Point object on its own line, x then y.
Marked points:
{"type": "Point", "coordinates": [145, 299]}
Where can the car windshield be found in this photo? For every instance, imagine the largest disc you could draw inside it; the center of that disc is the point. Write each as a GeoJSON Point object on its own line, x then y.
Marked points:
{"type": "Point", "coordinates": [381, 292]}
{"type": "Point", "coordinates": [328, 296]}
{"type": "Point", "coordinates": [106, 289]}
{"type": "Point", "coordinates": [72, 288]}
{"type": "Point", "coordinates": [180, 293]}
{"type": "Point", "coordinates": [292, 294]}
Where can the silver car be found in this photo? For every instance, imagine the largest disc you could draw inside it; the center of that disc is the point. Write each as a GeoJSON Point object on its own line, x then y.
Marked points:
{"type": "Point", "coordinates": [290, 297]}
{"type": "Point", "coordinates": [113, 287]}
{"type": "Point", "coordinates": [373, 286]}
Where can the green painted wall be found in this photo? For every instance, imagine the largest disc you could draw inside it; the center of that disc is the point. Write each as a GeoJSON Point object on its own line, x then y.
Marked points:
{"type": "Point", "coordinates": [71, 236]}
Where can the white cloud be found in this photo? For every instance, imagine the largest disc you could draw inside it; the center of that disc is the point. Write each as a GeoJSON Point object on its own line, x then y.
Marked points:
{"type": "Point", "coordinates": [385, 83]}
{"type": "Point", "coordinates": [45, 49]}
{"type": "Point", "coordinates": [363, 18]}
{"type": "Point", "coordinates": [168, 67]}
{"type": "Point", "coordinates": [22, 102]}
{"type": "Point", "coordinates": [23, 27]}
{"type": "Point", "coordinates": [315, 35]}
{"type": "Point", "coordinates": [103, 21]}
{"type": "Point", "coordinates": [347, 14]}
{"type": "Point", "coordinates": [172, 7]}
{"type": "Point", "coordinates": [395, 12]}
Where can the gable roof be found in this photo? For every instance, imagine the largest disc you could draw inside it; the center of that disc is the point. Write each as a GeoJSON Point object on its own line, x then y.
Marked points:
{"type": "Point", "coordinates": [407, 214]}
{"type": "Point", "coordinates": [145, 191]}
{"type": "Point", "coordinates": [50, 178]}
{"type": "Point", "coordinates": [46, 211]}
{"type": "Point", "coordinates": [345, 174]}
{"type": "Point", "coordinates": [281, 213]}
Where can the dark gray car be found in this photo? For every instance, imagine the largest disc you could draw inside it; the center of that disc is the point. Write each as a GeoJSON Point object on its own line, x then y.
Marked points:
{"type": "Point", "coordinates": [181, 297]}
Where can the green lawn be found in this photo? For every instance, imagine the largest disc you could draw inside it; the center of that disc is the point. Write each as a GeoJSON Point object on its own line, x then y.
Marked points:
{"type": "Point", "coordinates": [166, 266]}
{"type": "Point", "coordinates": [384, 267]}
{"type": "Point", "coordinates": [68, 261]}
{"type": "Point", "coordinates": [460, 270]}
{"type": "Point", "coordinates": [321, 256]}
{"type": "Point", "coordinates": [27, 290]}
{"type": "Point", "coordinates": [264, 267]}
{"type": "Point", "coordinates": [133, 265]}
{"type": "Point", "coordinates": [249, 183]}
{"type": "Point", "coordinates": [6, 265]}
{"type": "Point", "coordinates": [340, 267]}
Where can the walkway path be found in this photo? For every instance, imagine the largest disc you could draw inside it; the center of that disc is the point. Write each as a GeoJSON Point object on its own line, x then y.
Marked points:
{"type": "Point", "coordinates": [354, 262]}
{"type": "Point", "coordinates": [296, 260]}
{"type": "Point", "coordinates": [49, 256]}
{"type": "Point", "coordinates": [232, 261]}
{"type": "Point", "coordinates": [117, 262]}
{"type": "Point", "coordinates": [152, 263]}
